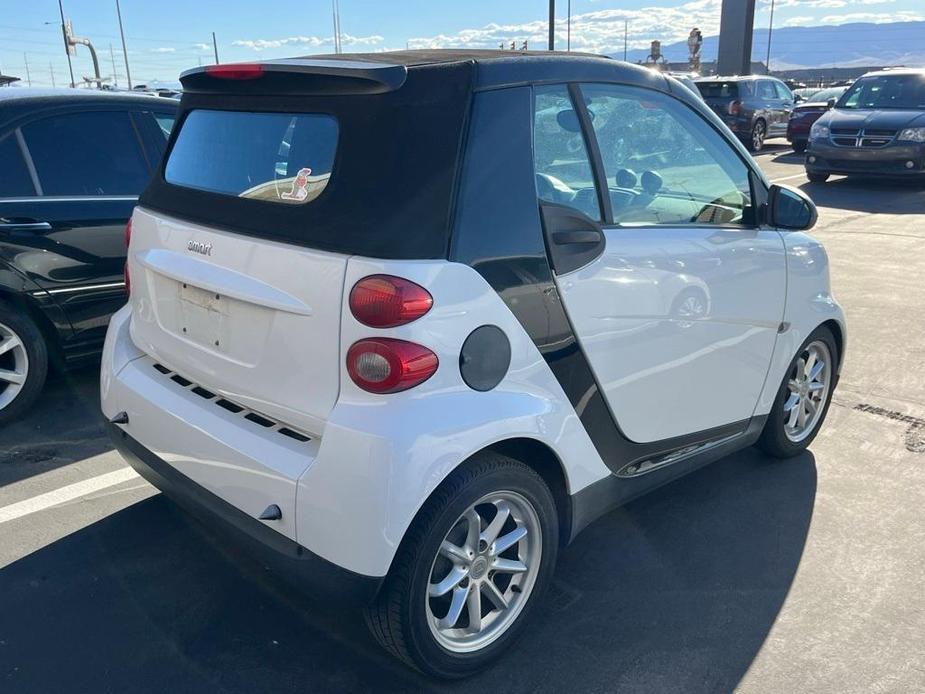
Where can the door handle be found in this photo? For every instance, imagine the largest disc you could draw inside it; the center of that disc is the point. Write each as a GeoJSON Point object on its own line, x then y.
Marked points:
{"type": "Point", "coordinates": [564, 238]}
{"type": "Point", "coordinates": [25, 226]}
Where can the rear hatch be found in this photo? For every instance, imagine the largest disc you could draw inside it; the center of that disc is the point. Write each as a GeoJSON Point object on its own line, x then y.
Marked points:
{"type": "Point", "coordinates": [276, 174]}
{"type": "Point", "coordinates": [719, 94]}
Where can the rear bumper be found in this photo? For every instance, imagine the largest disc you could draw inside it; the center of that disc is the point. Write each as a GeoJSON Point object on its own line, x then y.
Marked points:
{"type": "Point", "coordinates": [311, 573]}
{"type": "Point", "coordinates": [889, 161]}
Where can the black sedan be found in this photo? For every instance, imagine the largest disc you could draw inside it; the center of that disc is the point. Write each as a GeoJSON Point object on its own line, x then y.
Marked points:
{"type": "Point", "coordinates": [876, 128]}
{"type": "Point", "coordinates": [72, 163]}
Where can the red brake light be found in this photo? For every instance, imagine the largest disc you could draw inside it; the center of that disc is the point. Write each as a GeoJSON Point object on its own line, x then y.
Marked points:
{"type": "Point", "coordinates": [128, 241]}
{"type": "Point", "coordinates": [385, 365]}
{"type": "Point", "coordinates": [383, 301]}
{"type": "Point", "coordinates": [735, 107]}
{"type": "Point", "coordinates": [235, 71]}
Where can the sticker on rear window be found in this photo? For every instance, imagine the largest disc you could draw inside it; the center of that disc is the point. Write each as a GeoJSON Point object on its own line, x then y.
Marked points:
{"type": "Point", "coordinates": [299, 186]}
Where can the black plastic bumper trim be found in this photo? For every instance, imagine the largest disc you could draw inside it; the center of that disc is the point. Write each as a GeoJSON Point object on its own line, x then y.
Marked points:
{"type": "Point", "coordinates": [291, 561]}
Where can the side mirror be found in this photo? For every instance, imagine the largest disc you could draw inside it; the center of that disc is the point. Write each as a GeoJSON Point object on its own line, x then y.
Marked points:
{"type": "Point", "coordinates": [831, 103]}
{"type": "Point", "coordinates": [790, 208]}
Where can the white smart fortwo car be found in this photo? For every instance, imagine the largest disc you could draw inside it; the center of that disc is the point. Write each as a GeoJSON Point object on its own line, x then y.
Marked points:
{"type": "Point", "coordinates": [407, 322]}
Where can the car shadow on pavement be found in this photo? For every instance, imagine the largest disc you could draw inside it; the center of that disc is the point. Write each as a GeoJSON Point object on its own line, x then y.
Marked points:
{"type": "Point", "coordinates": [64, 426]}
{"type": "Point", "coordinates": [674, 592]}
{"type": "Point", "coordinates": [861, 194]}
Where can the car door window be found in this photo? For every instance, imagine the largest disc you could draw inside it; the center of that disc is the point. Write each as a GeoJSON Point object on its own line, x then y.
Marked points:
{"type": "Point", "coordinates": [783, 92]}
{"type": "Point", "coordinates": [563, 168]}
{"type": "Point", "coordinates": [766, 91]}
{"type": "Point", "coordinates": [94, 153]}
{"type": "Point", "coordinates": [14, 175]}
{"type": "Point", "coordinates": [663, 163]}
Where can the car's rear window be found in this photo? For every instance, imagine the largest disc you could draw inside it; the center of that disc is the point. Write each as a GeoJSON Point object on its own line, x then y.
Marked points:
{"type": "Point", "coordinates": [719, 90]}
{"type": "Point", "coordinates": [276, 157]}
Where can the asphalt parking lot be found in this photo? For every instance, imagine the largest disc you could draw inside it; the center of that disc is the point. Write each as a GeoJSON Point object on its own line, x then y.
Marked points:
{"type": "Point", "coordinates": [751, 574]}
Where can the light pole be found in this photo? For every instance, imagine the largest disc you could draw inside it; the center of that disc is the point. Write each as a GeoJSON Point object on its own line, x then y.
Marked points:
{"type": "Point", "coordinates": [67, 47]}
{"type": "Point", "coordinates": [568, 39]}
{"type": "Point", "coordinates": [552, 25]}
{"type": "Point", "coordinates": [767, 62]}
{"type": "Point", "coordinates": [128, 73]}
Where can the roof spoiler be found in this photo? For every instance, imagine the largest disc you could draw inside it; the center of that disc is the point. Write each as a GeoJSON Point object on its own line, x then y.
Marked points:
{"type": "Point", "coordinates": [303, 76]}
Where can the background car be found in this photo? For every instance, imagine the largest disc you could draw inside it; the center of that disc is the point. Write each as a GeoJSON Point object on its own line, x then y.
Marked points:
{"type": "Point", "coordinates": [807, 112]}
{"type": "Point", "coordinates": [877, 128]}
{"type": "Point", "coordinates": [72, 163]}
{"type": "Point", "coordinates": [754, 108]}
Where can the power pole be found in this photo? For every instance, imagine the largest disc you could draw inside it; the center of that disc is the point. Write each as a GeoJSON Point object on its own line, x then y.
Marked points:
{"type": "Point", "coordinates": [215, 47]}
{"type": "Point", "coordinates": [335, 10]}
{"type": "Point", "coordinates": [28, 76]}
{"type": "Point", "coordinates": [552, 25]}
{"type": "Point", "coordinates": [128, 73]}
{"type": "Point", "coordinates": [112, 57]}
{"type": "Point", "coordinates": [51, 68]}
{"type": "Point", "coordinates": [568, 24]}
{"type": "Point", "coordinates": [767, 63]}
{"type": "Point", "coordinates": [67, 46]}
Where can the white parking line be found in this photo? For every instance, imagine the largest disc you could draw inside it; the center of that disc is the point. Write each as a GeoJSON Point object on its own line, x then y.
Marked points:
{"type": "Point", "coordinates": [787, 178]}
{"type": "Point", "coordinates": [65, 494]}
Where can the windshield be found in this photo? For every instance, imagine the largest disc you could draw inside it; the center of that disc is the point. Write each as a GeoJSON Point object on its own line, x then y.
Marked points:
{"type": "Point", "coordinates": [886, 91]}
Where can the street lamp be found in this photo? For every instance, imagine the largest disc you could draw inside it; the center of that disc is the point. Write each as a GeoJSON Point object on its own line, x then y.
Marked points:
{"type": "Point", "coordinates": [767, 62]}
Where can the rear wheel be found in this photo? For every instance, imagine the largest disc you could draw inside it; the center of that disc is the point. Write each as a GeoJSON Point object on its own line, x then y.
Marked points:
{"type": "Point", "coordinates": [471, 570]}
{"type": "Point", "coordinates": [758, 135]}
{"type": "Point", "coordinates": [23, 362]}
{"type": "Point", "coordinates": [817, 177]}
{"type": "Point", "coordinates": [804, 397]}
{"type": "Point", "coordinates": [799, 146]}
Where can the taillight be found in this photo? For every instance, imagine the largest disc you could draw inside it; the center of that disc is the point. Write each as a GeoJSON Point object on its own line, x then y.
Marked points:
{"type": "Point", "coordinates": [385, 365]}
{"type": "Point", "coordinates": [235, 71]}
{"type": "Point", "coordinates": [735, 108]}
{"type": "Point", "coordinates": [383, 301]}
{"type": "Point", "coordinates": [128, 242]}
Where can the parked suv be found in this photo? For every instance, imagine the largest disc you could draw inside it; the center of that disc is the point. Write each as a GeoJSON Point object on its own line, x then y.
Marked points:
{"type": "Point", "coordinates": [408, 322]}
{"type": "Point", "coordinates": [72, 163]}
{"type": "Point", "coordinates": [877, 128]}
{"type": "Point", "coordinates": [755, 108]}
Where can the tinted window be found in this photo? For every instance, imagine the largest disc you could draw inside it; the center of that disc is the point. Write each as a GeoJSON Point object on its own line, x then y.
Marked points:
{"type": "Point", "coordinates": [92, 153]}
{"type": "Point", "coordinates": [165, 121]}
{"type": "Point", "coordinates": [766, 90]}
{"type": "Point", "coordinates": [719, 90]}
{"type": "Point", "coordinates": [783, 91]}
{"type": "Point", "coordinates": [275, 157]}
{"type": "Point", "coordinates": [14, 176]}
{"type": "Point", "coordinates": [664, 164]}
{"type": "Point", "coordinates": [886, 91]}
{"type": "Point", "coordinates": [563, 168]}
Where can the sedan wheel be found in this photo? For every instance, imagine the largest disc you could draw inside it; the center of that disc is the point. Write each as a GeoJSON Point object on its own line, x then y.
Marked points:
{"type": "Point", "coordinates": [14, 365]}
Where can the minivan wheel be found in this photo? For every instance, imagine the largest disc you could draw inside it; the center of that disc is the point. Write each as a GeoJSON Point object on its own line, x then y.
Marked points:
{"type": "Point", "coordinates": [23, 363]}
{"type": "Point", "coordinates": [759, 133]}
{"type": "Point", "coordinates": [471, 570]}
{"type": "Point", "coordinates": [803, 398]}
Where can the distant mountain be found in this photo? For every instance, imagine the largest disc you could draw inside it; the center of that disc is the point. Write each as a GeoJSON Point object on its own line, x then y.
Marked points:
{"type": "Point", "coordinates": [841, 45]}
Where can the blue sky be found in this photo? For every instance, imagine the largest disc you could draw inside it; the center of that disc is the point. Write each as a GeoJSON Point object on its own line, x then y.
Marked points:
{"type": "Point", "coordinates": [166, 36]}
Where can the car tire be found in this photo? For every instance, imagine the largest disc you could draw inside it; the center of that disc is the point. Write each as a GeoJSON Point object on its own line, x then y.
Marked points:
{"type": "Point", "coordinates": [416, 624]}
{"type": "Point", "coordinates": [799, 146]}
{"type": "Point", "coordinates": [757, 136]}
{"type": "Point", "coordinates": [23, 362]}
{"type": "Point", "coordinates": [817, 177]}
{"type": "Point", "coordinates": [786, 433]}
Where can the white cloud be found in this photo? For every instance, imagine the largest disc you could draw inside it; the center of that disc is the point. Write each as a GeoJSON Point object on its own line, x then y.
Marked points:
{"type": "Point", "coordinates": [307, 42]}
{"type": "Point", "coordinates": [799, 21]}
{"type": "Point", "coordinates": [201, 46]}
{"type": "Point", "coordinates": [164, 49]}
{"type": "Point", "coordinates": [875, 17]}
{"type": "Point", "coordinates": [599, 32]}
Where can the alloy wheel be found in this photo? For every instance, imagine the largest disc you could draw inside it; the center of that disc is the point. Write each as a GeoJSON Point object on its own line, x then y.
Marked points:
{"type": "Point", "coordinates": [14, 365]}
{"type": "Point", "coordinates": [809, 386]}
{"type": "Point", "coordinates": [484, 572]}
{"type": "Point", "coordinates": [758, 134]}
